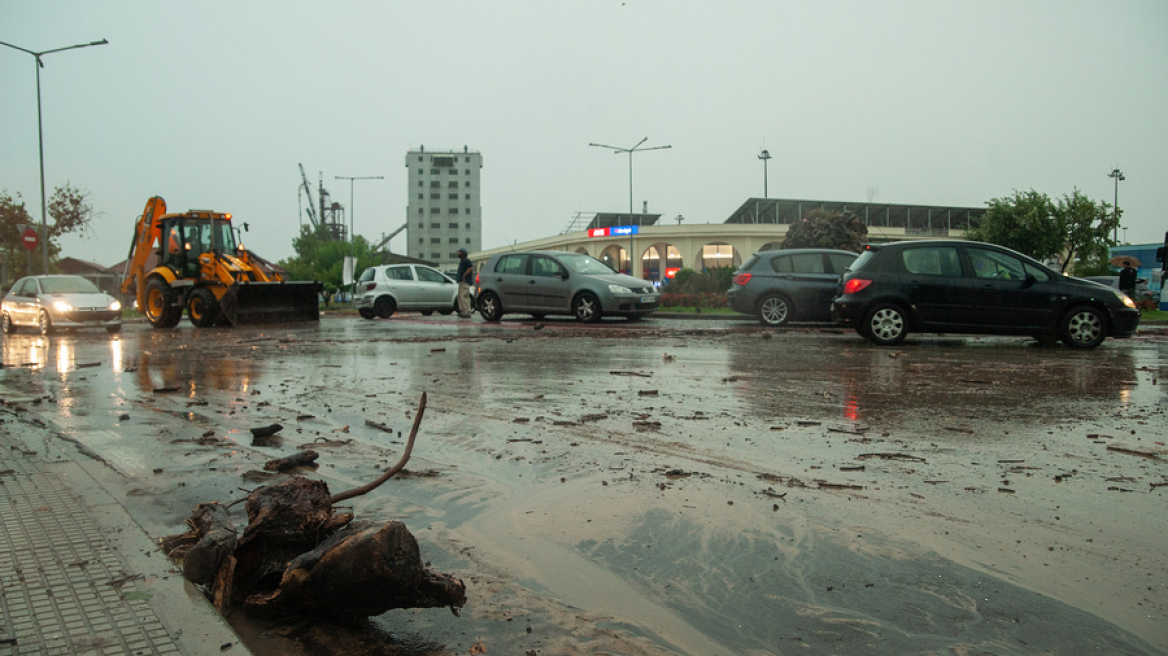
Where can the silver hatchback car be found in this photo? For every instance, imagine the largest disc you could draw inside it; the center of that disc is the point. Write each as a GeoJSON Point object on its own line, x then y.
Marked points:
{"type": "Point", "coordinates": [50, 302]}
{"type": "Point", "coordinates": [558, 282]}
{"type": "Point", "coordinates": [383, 290]}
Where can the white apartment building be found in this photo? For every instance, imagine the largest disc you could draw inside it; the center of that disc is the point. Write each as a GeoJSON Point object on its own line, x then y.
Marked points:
{"type": "Point", "coordinates": [445, 210]}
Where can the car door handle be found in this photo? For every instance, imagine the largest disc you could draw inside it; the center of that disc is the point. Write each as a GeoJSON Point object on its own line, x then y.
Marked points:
{"type": "Point", "coordinates": [531, 282]}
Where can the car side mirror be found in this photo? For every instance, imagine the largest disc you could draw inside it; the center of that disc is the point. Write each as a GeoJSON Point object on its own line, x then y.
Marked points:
{"type": "Point", "coordinates": [1029, 281]}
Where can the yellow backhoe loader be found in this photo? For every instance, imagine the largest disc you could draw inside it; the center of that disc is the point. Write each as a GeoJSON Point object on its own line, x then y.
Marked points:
{"type": "Point", "coordinates": [203, 270]}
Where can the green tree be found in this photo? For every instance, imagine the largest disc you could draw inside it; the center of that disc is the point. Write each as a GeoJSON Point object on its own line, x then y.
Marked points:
{"type": "Point", "coordinates": [822, 228]}
{"type": "Point", "coordinates": [1089, 227]}
{"type": "Point", "coordinates": [320, 258]}
{"type": "Point", "coordinates": [1073, 228]}
{"type": "Point", "coordinates": [69, 212]}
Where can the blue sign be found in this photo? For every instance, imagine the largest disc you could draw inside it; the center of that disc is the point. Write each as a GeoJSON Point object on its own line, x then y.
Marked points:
{"type": "Point", "coordinates": [616, 231]}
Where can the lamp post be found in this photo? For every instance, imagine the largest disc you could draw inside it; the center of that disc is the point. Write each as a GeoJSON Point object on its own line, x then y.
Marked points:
{"type": "Point", "coordinates": [764, 156]}
{"type": "Point", "coordinates": [352, 248]}
{"type": "Point", "coordinates": [41, 140]}
{"type": "Point", "coordinates": [630, 151]}
{"type": "Point", "coordinates": [1118, 175]}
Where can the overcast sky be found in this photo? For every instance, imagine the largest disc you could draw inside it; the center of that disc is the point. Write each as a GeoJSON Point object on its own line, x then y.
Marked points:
{"type": "Point", "coordinates": [212, 105]}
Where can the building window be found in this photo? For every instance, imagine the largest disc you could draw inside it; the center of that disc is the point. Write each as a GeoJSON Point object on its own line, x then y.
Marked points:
{"type": "Point", "coordinates": [420, 196]}
{"type": "Point", "coordinates": [436, 226]}
{"type": "Point", "coordinates": [421, 210]}
{"type": "Point", "coordinates": [452, 225]}
{"type": "Point", "coordinates": [467, 184]}
{"type": "Point", "coordinates": [435, 240]}
{"type": "Point", "coordinates": [453, 171]}
{"type": "Point", "coordinates": [435, 196]}
{"type": "Point", "coordinates": [421, 240]}
{"type": "Point", "coordinates": [468, 170]}
{"type": "Point", "coordinates": [454, 240]}
{"type": "Point", "coordinates": [453, 184]}
{"type": "Point", "coordinates": [435, 210]}
{"type": "Point", "coordinates": [468, 238]}
{"type": "Point", "coordinates": [433, 171]}
{"type": "Point", "coordinates": [435, 256]}
{"type": "Point", "coordinates": [419, 158]}
{"type": "Point", "coordinates": [468, 196]}
{"type": "Point", "coordinates": [434, 184]}
{"type": "Point", "coordinates": [468, 226]}
{"type": "Point", "coordinates": [421, 171]}
{"type": "Point", "coordinates": [453, 196]}
{"type": "Point", "coordinates": [419, 183]}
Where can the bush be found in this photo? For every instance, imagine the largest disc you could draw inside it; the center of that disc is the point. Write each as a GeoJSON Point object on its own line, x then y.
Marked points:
{"type": "Point", "coordinates": [694, 300]}
{"type": "Point", "coordinates": [715, 280]}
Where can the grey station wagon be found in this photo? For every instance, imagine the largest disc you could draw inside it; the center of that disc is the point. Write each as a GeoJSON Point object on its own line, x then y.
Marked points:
{"type": "Point", "coordinates": [540, 283]}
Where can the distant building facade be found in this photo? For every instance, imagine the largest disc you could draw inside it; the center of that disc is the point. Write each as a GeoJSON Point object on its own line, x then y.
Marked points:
{"type": "Point", "coordinates": [445, 209]}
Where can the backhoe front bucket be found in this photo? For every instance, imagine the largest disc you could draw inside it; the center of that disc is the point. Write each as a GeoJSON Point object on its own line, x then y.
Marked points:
{"type": "Point", "coordinates": [248, 303]}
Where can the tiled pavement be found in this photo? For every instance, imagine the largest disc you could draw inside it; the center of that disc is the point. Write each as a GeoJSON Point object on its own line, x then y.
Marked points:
{"type": "Point", "coordinates": [76, 573]}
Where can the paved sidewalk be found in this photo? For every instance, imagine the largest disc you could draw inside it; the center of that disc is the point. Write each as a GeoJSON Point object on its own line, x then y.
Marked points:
{"type": "Point", "coordinates": [78, 576]}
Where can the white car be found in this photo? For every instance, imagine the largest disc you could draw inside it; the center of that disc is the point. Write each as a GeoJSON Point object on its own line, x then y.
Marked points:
{"type": "Point", "coordinates": [383, 290]}
{"type": "Point", "coordinates": [50, 302]}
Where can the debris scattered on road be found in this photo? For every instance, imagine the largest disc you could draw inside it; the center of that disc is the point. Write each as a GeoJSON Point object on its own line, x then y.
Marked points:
{"type": "Point", "coordinates": [302, 459]}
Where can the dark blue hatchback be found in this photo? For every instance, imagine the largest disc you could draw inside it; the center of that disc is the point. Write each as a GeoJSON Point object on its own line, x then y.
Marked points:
{"type": "Point", "coordinates": [789, 285]}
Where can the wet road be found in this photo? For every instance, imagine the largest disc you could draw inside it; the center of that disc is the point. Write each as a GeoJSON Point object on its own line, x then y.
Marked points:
{"type": "Point", "coordinates": [665, 487]}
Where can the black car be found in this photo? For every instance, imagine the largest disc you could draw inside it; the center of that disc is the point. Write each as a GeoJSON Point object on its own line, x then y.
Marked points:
{"type": "Point", "coordinates": [789, 285]}
{"type": "Point", "coordinates": [971, 287]}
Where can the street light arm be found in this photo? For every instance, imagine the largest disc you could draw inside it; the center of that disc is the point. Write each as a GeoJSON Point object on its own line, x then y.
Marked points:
{"type": "Point", "coordinates": [619, 150]}
{"type": "Point", "coordinates": [81, 45]}
{"type": "Point", "coordinates": [641, 150]}
{"type": "Point", "coordinates": [34, 54]}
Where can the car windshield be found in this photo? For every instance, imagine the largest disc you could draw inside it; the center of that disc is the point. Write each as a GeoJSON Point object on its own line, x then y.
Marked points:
{"type": "Point", "coordinates": [68, 285]}
{"type": "Point", "coordinates": [578, 263]}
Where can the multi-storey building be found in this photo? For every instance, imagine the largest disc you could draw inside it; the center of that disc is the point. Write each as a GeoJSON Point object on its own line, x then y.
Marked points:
{"type": "Point", "coordinates": [445, 210]}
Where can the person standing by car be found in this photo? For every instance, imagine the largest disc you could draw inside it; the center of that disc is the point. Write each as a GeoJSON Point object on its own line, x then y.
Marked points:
{"type": "Point", "coordinates": [465, 271]}
{"type": "Point", "coordinates": [1127, 279]}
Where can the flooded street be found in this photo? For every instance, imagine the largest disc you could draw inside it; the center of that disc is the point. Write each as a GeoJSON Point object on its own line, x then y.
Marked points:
{"type": "Point", "coordinates": [661, 487]}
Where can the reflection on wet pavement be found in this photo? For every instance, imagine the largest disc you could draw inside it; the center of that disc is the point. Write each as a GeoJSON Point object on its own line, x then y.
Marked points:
{"type": "Point", "coordinates": [644, 489]}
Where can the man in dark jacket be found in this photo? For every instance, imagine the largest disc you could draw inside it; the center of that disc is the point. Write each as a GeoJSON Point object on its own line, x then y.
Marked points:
{"type": "Point", "coordinates": [1127, 279]}
{"type": "Point", "coordinates": [465, 276]}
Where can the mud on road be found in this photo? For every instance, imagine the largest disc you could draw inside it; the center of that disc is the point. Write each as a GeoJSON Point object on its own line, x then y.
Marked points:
{"type": "Point", "coordinates": [642, 489]}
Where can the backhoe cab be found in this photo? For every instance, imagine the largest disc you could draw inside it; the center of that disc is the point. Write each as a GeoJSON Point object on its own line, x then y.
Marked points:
{"type": "Point", "coordinates": [203, 270]}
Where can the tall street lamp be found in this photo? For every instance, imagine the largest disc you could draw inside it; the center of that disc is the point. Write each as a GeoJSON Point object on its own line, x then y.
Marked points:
{"type": "Point", "coordinates": [1118, 175]}
{"type": "Point", "coordinates": [630, 151]}
{"type": "Point", "coordinates": [764, 156]}
{"type": "Point", "coordinates": [41, 139]}
{"type": "Point", "coordinates": [352, 251]}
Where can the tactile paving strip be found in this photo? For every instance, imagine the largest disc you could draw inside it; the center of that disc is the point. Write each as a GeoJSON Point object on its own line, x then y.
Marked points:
{"type": "Point", "coordinates": [63, 590]}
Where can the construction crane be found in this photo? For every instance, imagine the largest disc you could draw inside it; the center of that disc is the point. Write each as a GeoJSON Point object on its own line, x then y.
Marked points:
{"type": "Point", "coordinates": [308, 192]}
{"type": "Point", "coordinates": [385, 240]}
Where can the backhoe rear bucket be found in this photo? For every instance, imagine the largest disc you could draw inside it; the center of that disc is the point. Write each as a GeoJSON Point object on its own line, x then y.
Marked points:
{"type": "Point", "coordinates": [248, 303]}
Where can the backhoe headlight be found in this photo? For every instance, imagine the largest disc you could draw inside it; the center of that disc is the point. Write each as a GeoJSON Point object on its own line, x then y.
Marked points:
{"type": "Point", "coordinates": [619, 289]}
{"type": "Point", "coordinates": [115, 306]}
{"type": "Point", "coordinates": [62, 306]}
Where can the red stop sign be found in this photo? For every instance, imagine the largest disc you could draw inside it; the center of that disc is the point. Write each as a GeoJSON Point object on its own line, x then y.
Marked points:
{"type": "Point", "coordinates": [29, 238]}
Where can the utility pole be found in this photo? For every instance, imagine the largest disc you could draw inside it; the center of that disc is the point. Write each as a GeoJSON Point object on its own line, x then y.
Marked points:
{"type": "Point", "coordinates": [764, 157]}
{"type": "Point", "coordinates": [352, 235]}
{"type": "Point", "coordinates": [630, 151]}
{"type": "Point", "coordinates": [1118, 175]}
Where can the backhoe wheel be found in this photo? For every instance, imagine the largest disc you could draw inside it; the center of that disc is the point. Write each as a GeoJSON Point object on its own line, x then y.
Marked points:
{"type": "Point", "coordinates": [203, 308]}
{"type": "Point", "coordinates": [160, 309]}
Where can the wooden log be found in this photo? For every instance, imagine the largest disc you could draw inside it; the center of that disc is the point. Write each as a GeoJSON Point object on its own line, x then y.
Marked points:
{"type": "Point", "coordinates": [360, 572]}
{"type": "Point", "coordinates": [304, 458]}
{"type": "Point", "coordinates": [217, 539]}
{"type": "Point", "coordinates": [224, 587]}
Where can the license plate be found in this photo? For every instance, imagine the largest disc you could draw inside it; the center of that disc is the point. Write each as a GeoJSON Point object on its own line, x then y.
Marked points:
{"type": "Point", "coordinates": [648, 299]}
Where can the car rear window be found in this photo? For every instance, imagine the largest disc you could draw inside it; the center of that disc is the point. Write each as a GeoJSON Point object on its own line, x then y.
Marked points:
{"type": "Point", "coordinates": [512, 264]}
{"type": "Point", "coordinates": [399, 273]}
{"type": "Point", "coordinates": [932, 261]}
{"type": "Point", "coordinates": [750, 262]}
{"type": "Point", "coordinates": [367, 275]}
{"type": "Point", "coordinates": [862, 261]}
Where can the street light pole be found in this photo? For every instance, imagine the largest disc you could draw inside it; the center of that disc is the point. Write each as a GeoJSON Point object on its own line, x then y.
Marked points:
{"type": "Point", "coordinates": [41, 141]}
{"type": "Point", "coordinates": [630, 151]}
{"type": "Point", "coordinates": [1118, 175]}
{"type": "Point", "coordinates": [352, 235]}
{"type": "Point", "coordinates": [764, 157]}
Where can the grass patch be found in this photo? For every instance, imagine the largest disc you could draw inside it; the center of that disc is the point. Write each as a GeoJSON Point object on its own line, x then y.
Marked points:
{"type": "Point", "coordinates": [693, 310]}
{"type": "Point", "coordinates": [1153, 315]}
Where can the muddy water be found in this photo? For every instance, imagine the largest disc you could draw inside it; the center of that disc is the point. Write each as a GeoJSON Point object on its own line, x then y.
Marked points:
{"type": "Point", "coordinates": [667, 490]}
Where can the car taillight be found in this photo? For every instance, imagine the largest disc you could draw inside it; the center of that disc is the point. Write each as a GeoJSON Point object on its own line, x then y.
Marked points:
{"type": "Point", "coordinates": [741, 279]}
{"type": "Point", "coordinates": [855, 284]}
{"type": "Point", "coordinates": [369, 286]}
{"type": "Point", "coordinates": [476, 280]}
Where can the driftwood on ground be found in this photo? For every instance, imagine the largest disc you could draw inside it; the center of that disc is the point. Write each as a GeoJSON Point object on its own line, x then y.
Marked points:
{"type": "Point", "coordinates": [304, 458]}
{"type": "Point", "coordinates": [297, 555]}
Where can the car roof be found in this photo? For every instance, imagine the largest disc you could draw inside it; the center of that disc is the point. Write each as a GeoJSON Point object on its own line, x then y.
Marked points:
{"type": "Point", "coordinates": [807, 250]}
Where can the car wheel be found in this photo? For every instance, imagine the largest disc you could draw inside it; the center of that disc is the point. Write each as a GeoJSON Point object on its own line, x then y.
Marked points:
{"type": "Point", "coordinates": [366, 313]}
{"type": "Point", "coordinates": [203, 308]}
{"type": "Point", "coordinates": [490, 309]}
{"type": "Point", "coordinates": [44, 323]}
{"type": "Point", "coordinates": [450, 311]}
{"type": "Point", "coordinates": [9, 327]}
{"type": "Point", "coordinates": [1083, 328]}
{"type": "Point", "coordinates": [538, 317]}
{"type": "Point", "coordinates": [774, 311]}
{"type": "Point", "coordinates": [886, 325]}
{"type": "Point", "coordinates": [161, 311]}
{"type": "Point", "coordinates": [384, 307]}
{"type": "Point", "coordinates": [116, 328]}
{"type": "Point", "coordinates": [586, 308]}
{"type": "Point", "coordinates": [426, 313]}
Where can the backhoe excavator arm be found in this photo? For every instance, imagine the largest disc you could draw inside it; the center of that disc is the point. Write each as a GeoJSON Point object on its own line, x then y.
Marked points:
{"type": "Point", "coordinates": [146, 234]}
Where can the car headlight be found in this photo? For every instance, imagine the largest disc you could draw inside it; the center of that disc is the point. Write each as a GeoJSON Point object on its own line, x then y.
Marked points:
{"type": "Point", "coordinates": [62, 306]}
{"type": "Point", "coordinates": [1126, 300]}
{"type": "Point", "coordinates": [619, 289]}
{"type": "Point", "coordinates": [115, 306]}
